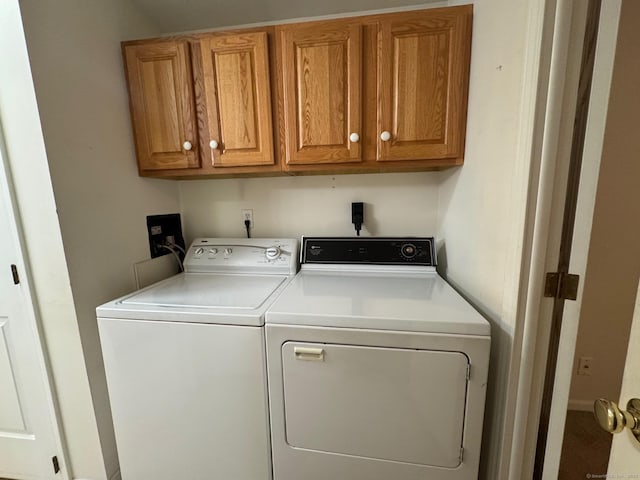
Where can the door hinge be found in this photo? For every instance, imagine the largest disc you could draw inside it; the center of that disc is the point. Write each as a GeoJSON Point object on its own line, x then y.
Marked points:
{"type": "Point", "coordinates": [56, 464]}
{"type": "Point", "coordinates": [561, 285]}
{"type": "Point", "coordinates": [16, 277]}
{"type": "Point", "coordinates": [461, 453]}
{"type": "Point", "coordinates": [468, 372]}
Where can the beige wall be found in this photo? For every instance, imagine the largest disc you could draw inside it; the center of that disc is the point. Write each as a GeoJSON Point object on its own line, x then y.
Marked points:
{"type": "Point", "coordinates": [74, 48]}
{"type": "Point", "coordinates": [396, 204]}
{"type": "Point", "coordinates": [46, 258]}
{"type": "Point", "coordinates": [613, 265]}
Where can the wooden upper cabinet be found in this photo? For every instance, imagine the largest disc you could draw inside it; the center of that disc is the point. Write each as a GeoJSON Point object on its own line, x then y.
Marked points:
{"type": "Point", "coordinates": [423, 75]}
{"type": "Point", "coordinates": [321, 67]}
{"type": "Point", "coordinates": [162, 105]}
{"type": "Point", "coordinates": [238, 100]}
{"type": "Point", "coordinates": [375, 93]}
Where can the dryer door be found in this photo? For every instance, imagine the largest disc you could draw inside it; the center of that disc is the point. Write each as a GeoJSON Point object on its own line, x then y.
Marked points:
{"type": "Point", "coordinates": [395, 404]}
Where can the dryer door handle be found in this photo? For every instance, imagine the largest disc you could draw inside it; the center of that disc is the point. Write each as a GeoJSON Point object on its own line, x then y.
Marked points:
{"type": "Point", "coordinates": [309, 353]}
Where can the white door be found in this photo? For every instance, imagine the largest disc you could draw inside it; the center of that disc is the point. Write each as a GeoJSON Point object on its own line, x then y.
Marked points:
{"type": "Point", "coordinates": [624, 461]}
{"type": "Point", "coordinates": [29, 436]}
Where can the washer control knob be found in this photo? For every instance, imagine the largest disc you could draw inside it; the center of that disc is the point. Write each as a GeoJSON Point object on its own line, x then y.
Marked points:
{"type": "Point", "coordinates": [408, 250]}
{"type": "Point", "coordinates": [228, 251]}
{"type": "Point", "coordinates": [213, 251]}
{"type": "Point", "coordinates": [199, 251]}
{"type": "Point", "coordinates": [272, 252]}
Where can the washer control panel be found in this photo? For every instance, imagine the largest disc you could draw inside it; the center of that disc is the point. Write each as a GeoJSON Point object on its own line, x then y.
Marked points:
{"type": "Point", "coordinates": [369, 250]}
{"type": "Point", "coordinates": [264, 255]}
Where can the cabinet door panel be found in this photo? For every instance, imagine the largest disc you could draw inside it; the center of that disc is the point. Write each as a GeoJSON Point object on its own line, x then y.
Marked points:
{"type": "Point", "coordinates": [162, 105]}
{"type": "Point", "coordinates": [321, 67]}
{"type": "Point", "coordinates": [422, 77]}
{"type": "Point", "coordinates": [237, 90]}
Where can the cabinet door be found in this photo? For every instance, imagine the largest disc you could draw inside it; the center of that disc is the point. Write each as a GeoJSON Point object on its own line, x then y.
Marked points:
{"type": "Point", "coordinates": [162, 105]}
{"type": "Point", "coordinates": [423, 83]}
{"type": "Point", "coordinates": [238, 97]}
{"type": "Point", "coordinates": [321, 69]}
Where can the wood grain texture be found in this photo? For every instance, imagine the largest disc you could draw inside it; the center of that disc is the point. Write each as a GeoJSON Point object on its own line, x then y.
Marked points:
{"type": "Point", "coordinates": [207, 168]}
{"type": "Point", "coordinates": [238, 97]}
{"type": "Point", "coordinates": [423, 84]}
{"type": "Point", "coordinates": [162, 105]}
{"type": "Point", "coordinates": [348, 99]}
{"type": "Point", "coordinates": [321, 91]}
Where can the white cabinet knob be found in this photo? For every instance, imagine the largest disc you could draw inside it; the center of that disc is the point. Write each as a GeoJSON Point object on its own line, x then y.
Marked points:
{"type": "Point", "coordinates": [187, 145]}
{"type": "Point", "coordinates": [385, 136]}
{"type": "Point", "coordinates": [354, 137]}
{"type": "Point", "coordinates": [213, 144]}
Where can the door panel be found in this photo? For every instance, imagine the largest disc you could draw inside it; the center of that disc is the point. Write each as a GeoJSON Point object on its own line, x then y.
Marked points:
{"type": "Point", "coordinates": [238, 95]}
{"type": "Point", "coordinates": [625, 450]}
{"type": "Point", "coordinates": [422, 82]}
{"type": "Point", "coordinates": [322, 69]}
{"type": "Point", "coordinates": [420, 71]}
{"type": "Point", "coordinates": [375, 402]}
{"type": "Point", "coordinates": [162, 105]}
{"type": "Point", "coordinates": [11, 419]}
{"type": "Point", "coordinates": [28, 430]}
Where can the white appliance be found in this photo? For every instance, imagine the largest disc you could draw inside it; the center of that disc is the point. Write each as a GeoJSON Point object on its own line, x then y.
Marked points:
{"type": "Point", "coordinates": [185, 364]}
{"type": "Point", "coordinates": [377, 367]}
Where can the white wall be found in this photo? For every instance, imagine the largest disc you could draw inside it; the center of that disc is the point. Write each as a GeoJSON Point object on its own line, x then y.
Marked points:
{"type": "Point", "coordinates": [46, 258]}
{"type": "Point", "coordinates": [74, 47]}
{"type": "Point", "coordinates": [479, 203]}
{"type": "Point", "coordinates": [395, 204]}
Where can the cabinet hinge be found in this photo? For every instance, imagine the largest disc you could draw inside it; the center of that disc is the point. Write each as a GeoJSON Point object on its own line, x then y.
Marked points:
{"type": "Point", "coordinates": [16, 277]}
{"type": "Point", "coordinates": [561, 285]}
{"type": "Point", "coordinates": [461, 453]}
{"type": "Point", "coordinates": [56, 464]}
{"type": "Point", "coordinates": [468, 372]}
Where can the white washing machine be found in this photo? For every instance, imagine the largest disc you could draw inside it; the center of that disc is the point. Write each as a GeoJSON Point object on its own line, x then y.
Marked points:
{"type": "Point", "coordinates": [185, 364]}
{"type": "Point", "coordinates": [377, 367]}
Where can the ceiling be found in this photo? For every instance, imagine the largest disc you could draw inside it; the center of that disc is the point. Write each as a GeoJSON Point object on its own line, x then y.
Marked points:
{"type": "Point", "coordinates": [173, 16]}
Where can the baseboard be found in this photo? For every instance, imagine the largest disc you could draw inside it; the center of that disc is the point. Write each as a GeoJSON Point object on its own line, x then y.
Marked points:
{"type": "Point", "coordinates": [115, 476]}
{"type": "Point", "coordinates": [580, 405]}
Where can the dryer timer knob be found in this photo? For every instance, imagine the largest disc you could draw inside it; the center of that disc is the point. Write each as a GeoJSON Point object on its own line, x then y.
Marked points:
{"type": "Point", "coordinates": [272, 253]}
{"type": "Point", "coordinates": [408, 250]}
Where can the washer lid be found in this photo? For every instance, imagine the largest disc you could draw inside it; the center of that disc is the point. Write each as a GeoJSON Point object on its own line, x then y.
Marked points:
{"type": "Point", "coordinates": [194, 290]}
{"type": "Point", "coordinates": [226, 299]}
{"type": "Point", "coordinates": [420, 302]}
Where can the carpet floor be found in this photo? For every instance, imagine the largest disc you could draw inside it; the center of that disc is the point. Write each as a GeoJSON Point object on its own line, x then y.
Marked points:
{"type": "Point", "coordinates": [585, 449]}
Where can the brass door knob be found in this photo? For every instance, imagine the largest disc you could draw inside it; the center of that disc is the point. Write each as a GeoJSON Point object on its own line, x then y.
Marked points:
{"type": "Point", "coordinates": [612, 419]}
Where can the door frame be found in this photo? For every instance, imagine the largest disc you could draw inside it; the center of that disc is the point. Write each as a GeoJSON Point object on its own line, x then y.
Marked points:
{"type": "Point", "coordinates": [545, 212]}
{"type": "Point", "coordinates": [32, 314]}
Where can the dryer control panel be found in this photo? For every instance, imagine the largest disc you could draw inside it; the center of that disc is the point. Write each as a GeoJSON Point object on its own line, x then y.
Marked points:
{"type": "Point", "coordinates": [242, 255]}
{"type": "Point", "coordinates": [369, 251]}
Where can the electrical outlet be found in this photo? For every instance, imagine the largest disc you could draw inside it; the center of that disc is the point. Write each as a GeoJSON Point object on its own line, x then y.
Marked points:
{"type": "Point", "coordinates": [247, 215]}
{"type": "Point", "coordinates": [163, 230]}
{"type": "Point", "coordinates": [584, 365]}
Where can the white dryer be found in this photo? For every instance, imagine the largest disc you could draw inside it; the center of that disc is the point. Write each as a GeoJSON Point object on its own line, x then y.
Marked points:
{"type": "Point", "coordinates": [185, 364]}
{"type": "Point", "coordinates": [377, 367]}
